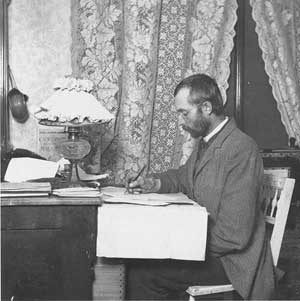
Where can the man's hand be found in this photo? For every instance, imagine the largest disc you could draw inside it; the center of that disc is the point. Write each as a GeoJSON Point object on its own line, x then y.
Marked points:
{"type": "Point", "coordinates": [143, 185]}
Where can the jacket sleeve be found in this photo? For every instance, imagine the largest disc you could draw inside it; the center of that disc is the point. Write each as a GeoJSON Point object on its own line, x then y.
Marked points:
{"type": "Point", "coordinates": [239, 207]}
{"type": "Point", "coordinates": [175, 180]}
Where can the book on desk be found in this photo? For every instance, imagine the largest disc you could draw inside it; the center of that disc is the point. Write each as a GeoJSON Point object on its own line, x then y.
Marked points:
{"type": "Point", "coordinates": [24, 189]}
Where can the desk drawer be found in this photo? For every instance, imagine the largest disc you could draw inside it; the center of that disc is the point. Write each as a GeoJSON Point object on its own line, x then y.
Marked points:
{"type": "Point", "coordinates": [31, 217]}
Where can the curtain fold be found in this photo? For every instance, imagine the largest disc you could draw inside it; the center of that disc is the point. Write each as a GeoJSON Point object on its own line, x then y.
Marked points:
{"type": "Point", "coordinates": [277, 27]}
{"type": "Point", "coordinates": [135, 52]}
{"type": "Point", "coordinates": [140, 38]}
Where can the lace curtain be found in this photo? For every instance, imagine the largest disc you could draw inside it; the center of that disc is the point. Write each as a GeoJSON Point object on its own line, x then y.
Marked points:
{"type": "Point", "coordinates": [135, 52]}
{"type": "Point", "coordinates": [277, 26]}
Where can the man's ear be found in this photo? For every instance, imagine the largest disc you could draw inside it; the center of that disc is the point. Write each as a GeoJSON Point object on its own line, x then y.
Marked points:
{"type": "Point", "coordinates": [206, 107]}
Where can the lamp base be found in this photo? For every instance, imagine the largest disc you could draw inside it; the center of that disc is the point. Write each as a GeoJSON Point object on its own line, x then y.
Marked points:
{"type": "Point", "coordinates": [73, 177]}
{"type": "Point", "coordinates": [74, 149]}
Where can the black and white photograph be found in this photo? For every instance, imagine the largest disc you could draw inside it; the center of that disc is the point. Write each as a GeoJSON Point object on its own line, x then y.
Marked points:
{"type": "Point", "coordinates": [150, 150]}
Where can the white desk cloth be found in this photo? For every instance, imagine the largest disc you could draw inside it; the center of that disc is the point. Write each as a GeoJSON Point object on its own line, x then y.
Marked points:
{"type": "Point", "coordinates": [157, 232]}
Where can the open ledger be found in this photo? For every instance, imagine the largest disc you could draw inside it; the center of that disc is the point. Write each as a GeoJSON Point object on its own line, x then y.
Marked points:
{"type": "Point", "coordinates": [119, 195]}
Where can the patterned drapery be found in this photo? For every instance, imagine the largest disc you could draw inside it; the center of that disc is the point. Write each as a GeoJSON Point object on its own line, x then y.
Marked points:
{"type": "Point", "coordinates": [136, 51]}
{"type": "Point", "coordinates": [277, 26]}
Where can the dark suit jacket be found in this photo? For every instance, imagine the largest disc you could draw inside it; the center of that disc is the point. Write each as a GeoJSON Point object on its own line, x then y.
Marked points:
{"type": "Point", "coordinates": [226, 180]}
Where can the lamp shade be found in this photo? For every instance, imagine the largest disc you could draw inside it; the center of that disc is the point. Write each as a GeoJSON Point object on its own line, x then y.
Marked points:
{"type": "Point", "coordinates": [71, 104]}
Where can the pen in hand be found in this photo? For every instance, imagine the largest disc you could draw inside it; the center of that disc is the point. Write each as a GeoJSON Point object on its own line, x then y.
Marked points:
{"type": "Point", "coordinates": [130, 180]}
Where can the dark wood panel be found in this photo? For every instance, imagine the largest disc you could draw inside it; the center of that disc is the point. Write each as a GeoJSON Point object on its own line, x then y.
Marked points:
{"type": "Point", "coordinates": [31, 264]}
{"type": "Point", "coordinates": [48, 252]}
{"type": "Point", "coordinates": [31, 217]}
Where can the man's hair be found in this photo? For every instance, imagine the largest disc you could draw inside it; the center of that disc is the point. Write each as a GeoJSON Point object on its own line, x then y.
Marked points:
{"type": "Point", "coordinates": [202, 88]}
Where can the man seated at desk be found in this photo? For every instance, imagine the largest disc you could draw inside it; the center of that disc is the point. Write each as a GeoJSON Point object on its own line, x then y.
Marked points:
{"type": "Point", "coordinates": [223, 174]}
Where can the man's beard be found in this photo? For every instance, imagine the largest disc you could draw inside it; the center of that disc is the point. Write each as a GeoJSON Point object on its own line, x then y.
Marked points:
{"type": "Point", "coordinates": [200, 129]}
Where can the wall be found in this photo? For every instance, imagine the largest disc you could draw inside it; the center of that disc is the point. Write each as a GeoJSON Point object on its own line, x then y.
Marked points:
{"type": "Point", "coordinates": [39, 52]}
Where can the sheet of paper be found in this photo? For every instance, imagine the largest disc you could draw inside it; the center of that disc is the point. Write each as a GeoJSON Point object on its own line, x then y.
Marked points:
{"type": "Point", "coordinates": [119, 195]}
{"type": "Point", "coordinates": [177, 232]}
{"type": "Point", "coordinates": [77, 192]}
{"type": "Point", "coordinates": [25, 169]}
{"type": "Point", "coordinates": [91, 177]}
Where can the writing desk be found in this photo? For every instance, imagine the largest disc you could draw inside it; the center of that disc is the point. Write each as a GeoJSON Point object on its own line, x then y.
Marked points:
{"type": "Point", "coordinates": [48, 248]}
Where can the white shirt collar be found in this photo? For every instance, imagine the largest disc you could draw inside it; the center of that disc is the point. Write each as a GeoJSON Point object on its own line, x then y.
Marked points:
{"type": "Point", "coordinates": [216, 130]}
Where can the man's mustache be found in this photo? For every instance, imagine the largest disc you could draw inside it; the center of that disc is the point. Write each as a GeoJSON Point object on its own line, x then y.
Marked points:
{"type": "Point", "coordinates": [192, 132]}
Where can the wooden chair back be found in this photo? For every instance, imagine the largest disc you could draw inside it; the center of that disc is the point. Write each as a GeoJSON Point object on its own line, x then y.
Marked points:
{"type": "Point", "coordinates": [283, 172]}
{"type": "Point", "coordinates": [276, 194]}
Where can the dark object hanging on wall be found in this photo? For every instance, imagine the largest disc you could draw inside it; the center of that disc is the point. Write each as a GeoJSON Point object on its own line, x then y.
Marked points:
{"type": "Point", "coordinates": [18, 105]}
{"type": "Point", "coordinates": [17, 101]}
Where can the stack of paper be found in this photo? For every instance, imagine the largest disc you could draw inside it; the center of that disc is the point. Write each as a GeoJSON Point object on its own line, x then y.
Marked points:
{"type": "Point", "coordinates": [90, 177]}
{"type": "Point", "coordinates": [25, 189]}
{"type": "Point", "coordinates": [77, 192]}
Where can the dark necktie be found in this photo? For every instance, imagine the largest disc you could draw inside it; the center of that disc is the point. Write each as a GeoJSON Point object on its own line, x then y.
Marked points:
{"type": "Point", "coordinates": [202, 146]}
